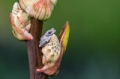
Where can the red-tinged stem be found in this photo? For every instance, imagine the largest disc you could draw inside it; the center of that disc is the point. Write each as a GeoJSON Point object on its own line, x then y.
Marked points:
{"type": "Point", "coordinates": [34, 52]}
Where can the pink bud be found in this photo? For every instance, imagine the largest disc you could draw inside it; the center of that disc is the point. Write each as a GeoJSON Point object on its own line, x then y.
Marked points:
{"type": "Point", "coordinates": [39, 9]}
{"type": "Point", "coordinates": [20, 23]}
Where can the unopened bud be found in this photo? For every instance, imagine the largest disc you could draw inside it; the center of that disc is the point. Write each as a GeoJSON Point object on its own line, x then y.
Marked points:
{"type": "Point", "coordinates": [20, 23]}
{"type": "Point", "coordinates": [39, 9]}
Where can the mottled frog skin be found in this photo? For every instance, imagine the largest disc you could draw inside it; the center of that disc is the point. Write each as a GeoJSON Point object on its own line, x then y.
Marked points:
{"type": "Point", "coordinates": [51, 50]}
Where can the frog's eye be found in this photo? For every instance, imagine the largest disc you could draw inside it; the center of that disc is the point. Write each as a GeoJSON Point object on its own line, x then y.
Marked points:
{"type": "Point", "coordinates": [49, 33]}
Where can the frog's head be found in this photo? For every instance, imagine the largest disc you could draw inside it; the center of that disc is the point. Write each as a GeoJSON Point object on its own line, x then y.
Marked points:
{"type": "Point", "coordinates": [46, 37]}
{"type": "Point", "coordinates": [50, 32]}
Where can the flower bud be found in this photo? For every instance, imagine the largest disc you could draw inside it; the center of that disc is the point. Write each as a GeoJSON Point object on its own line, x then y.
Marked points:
{"type": "Point", "coordinates": [20, 23]}
{"type": "Point", "coordinates": [39, 9]}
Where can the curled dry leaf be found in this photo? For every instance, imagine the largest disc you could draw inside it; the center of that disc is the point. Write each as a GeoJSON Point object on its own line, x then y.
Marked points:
{"type": "Point", "coordinates": [53, 52]}
{"type": "Point", "coordinates": [39, 9]}
{"type": "Point", "coordinates": [20, 23]}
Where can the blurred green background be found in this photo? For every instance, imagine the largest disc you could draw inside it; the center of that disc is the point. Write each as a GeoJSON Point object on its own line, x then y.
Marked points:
{"type": "Point", "coordinates": [93, 51]}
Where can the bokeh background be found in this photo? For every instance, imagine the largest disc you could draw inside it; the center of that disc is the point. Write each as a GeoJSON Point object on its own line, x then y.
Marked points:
{"type": "Point", "coordinates": [93, 51]}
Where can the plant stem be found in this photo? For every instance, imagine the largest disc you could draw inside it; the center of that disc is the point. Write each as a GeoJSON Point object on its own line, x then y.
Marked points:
{"type": "Point", "coordinates": [34, 52]}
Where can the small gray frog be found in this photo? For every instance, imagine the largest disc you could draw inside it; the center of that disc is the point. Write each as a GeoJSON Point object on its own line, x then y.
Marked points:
{"type": "Point", "coordinates": [50, 48]}
{"type": "Point", "coordinates": [46, 37]}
